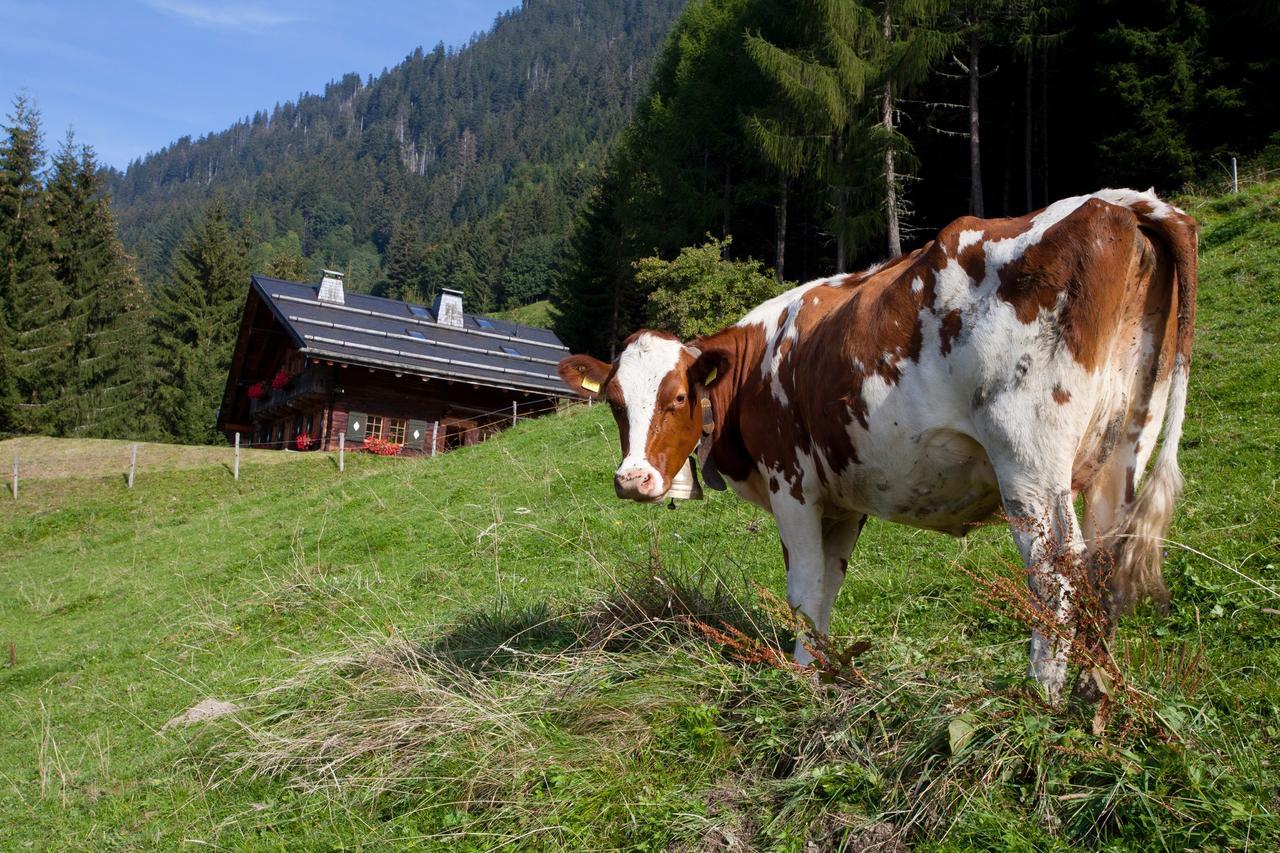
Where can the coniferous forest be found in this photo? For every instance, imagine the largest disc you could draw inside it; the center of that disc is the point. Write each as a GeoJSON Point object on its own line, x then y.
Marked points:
{"type": "Point", "coordinates": [552, 155]}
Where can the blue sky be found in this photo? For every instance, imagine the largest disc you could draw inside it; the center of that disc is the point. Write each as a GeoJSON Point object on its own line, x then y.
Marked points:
{"type": "Point", "coordinates": [133, 75]}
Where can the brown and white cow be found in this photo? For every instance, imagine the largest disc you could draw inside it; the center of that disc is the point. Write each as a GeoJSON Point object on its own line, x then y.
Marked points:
{"type": "Point", "coordinates": [1009, 361]}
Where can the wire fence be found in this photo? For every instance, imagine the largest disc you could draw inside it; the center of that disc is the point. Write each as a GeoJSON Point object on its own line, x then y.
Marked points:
{"type": "Point", "coordinates": [42, 459]}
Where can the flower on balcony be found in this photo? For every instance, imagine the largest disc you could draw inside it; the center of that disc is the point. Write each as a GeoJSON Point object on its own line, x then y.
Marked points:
{"type": "Point", "coordinates": [280, 380]}
{"type": "Point", "coordinates": [303, 441]}
{"type": "Point", "coordinates": [257, 390]}
{"type": "Point", "coordinates": [381, 446]}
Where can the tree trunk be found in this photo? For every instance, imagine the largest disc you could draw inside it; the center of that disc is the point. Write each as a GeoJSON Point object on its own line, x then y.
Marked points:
{"type": "Point", "coordinates": [1026, 135]}
{"type": "Point", "coordinates": [975, 150]}
{"type": "Point", "coordinates": [841, 209]}
{"type": "Point", "coordinates": [1044, 126]}
{"type": "Point", "coordinates": [890, 174]}
{"type": "Point", "coordinates": [726, 202]}
{"type": "Point", "coordinates": [780, 248]}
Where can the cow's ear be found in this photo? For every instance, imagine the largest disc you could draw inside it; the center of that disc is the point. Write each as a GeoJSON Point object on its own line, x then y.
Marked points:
{"type": "Point", "coordinates": [710, 368]}
{"type": "Point", "coordinates": [583, 374]}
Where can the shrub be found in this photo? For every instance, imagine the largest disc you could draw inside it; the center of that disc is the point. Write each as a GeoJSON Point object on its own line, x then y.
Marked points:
{"type": "Point", "coordinates": [701, 292]}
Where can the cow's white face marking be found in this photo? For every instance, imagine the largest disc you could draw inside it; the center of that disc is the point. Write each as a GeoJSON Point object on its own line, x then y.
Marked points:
{"type": "Point", "coordinates": [641, 369]}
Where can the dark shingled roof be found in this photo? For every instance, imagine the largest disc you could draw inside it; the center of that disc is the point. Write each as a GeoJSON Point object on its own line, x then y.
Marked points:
{"type": "Point", "coordinates": [377, 332]}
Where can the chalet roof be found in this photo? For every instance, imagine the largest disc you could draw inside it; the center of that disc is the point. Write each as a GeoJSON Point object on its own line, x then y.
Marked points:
{"type": "Point", "coordinates": [393, 335]}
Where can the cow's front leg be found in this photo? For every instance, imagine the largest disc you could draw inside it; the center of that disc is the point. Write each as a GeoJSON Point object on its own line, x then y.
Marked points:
{"type": "Point", "coordinates": [800, 528]}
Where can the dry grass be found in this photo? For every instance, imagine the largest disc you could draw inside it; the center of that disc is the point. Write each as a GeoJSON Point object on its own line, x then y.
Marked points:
{"type": "Point", "coordinates": [59, 458]}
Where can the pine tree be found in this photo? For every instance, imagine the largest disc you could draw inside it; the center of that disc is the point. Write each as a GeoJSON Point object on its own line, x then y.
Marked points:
{"type": "Point", "coordinates": [38, 346]}
{"type": "Point", "coordinates": [404, 263]}
{"type": "Point", "coordinates": [105, 310]}
{"type": "Point", "coordinates": [837, 79]}
{"type": "Point", "coordinates": [194, 327]}
{"type": "Point", "coordinates": [819, 124]}
{"type": "Point", "coordinates": [596, 299]}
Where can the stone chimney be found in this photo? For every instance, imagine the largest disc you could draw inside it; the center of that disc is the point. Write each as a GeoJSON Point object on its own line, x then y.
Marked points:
{"type": "Point", "coordinates": [448, 307]}
{"type": "Point", "coordinates": [331, 288]}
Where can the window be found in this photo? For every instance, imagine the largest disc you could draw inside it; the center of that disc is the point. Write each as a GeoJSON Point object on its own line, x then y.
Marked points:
{"type": "Point", "coordinates": [414, 333]}
{"type": "Point", "coordinates": [484, 323]}
{"type": "Point", "coordinates": [510, 350]}
{"type": "Point", "coordinates": [395, 430]}
{"type": "Point", "coordinates": [419, 311]}
{"type": "Point", "coordinates": [373, 427]}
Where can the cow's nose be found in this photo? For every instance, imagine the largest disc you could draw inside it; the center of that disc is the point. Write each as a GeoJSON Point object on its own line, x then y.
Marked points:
{"type": "Point", "coordinates": [636, 483]}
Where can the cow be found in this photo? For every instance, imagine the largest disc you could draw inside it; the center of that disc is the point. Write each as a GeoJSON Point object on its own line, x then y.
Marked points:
{"type": "Point", "coordinates": [1009, 363]}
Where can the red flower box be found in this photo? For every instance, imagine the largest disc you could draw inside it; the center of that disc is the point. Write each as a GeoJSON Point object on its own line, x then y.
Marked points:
{"type": "Point", "coordinates": [303, 441]}
{"type": "Point", "coordinates": [280, 380]}
{"type": "Point", "coordinates": [381, 446]}
{"type": "Point", "coordinates": [257, 391]}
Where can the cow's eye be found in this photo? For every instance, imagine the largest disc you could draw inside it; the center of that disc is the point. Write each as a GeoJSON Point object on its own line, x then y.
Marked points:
{"type": "Point", "coordinates": [680, 398]}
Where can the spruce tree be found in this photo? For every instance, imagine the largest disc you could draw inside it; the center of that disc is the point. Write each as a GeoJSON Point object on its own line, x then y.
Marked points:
{"type": "Point", "coordinates": [404, 263]}
{"type": "Point", "coordinates": [105, 308]}
{"type": "Point", "coordinates": [596, 299]}
{"type": "Point", "coordinates": [38, 339]}
{"type": "Point", "coordinates": [838, 74]}
{"type": "Point", "coordinates": [194, 327]}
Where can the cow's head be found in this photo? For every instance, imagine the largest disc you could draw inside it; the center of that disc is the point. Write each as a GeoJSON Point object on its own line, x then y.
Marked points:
{"type": "Point", "coordinates": [654, 389]}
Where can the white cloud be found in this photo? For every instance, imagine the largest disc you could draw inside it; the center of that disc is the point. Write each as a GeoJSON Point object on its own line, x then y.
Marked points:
{"type": "Point", "coordinates": [227, 16]}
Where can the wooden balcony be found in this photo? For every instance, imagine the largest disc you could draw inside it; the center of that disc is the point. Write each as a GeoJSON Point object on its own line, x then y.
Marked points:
{"type": "Point", "coordinates": [303, 391]}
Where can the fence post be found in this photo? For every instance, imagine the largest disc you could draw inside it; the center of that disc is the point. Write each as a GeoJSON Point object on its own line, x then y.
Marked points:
{"type": "Point", "coordinates": [133, 462]}
{"type": "Point", "coordinates": [514, 414]}
{"type": "Point", "coordinates": [342, 452]}
{"type": "Point", "coordinates": [1235, 177]}
{"type": "Point", "coordinates": [435, 430]}
{"type": "Point", "coordinates": [15, 475]}
{"type": "Point", "coordinates": [236, 472]}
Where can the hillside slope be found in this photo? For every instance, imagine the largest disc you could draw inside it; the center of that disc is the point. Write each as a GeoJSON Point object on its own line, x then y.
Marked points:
{"type": "Point", "coordinates": [125, 609]}
{"type": "Point", "coordinates": [511, 122]}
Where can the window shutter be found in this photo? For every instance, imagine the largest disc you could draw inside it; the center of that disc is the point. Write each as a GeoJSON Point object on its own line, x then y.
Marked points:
{"type": "Point", "coordinates": [355, 426]}
{"type": "Point", "coordinates": [417, 435]}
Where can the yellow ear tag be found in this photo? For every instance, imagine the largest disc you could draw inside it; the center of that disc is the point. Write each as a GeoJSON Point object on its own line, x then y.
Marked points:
{"type": "Point", "coordinates": [711, 377]}
{"type": "Point", "coordinates": [588, 385]}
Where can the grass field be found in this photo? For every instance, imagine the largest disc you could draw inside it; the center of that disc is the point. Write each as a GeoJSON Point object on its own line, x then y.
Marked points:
{"type": "Point", "coordinates": [484, 651]}
{"type": "Point", "coordinates": [534, 314]}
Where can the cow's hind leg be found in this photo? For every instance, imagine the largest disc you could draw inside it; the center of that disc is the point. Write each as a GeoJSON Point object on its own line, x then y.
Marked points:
{"type": "Point", "coordinates": [839, 536]}
{"type": "Point", "coordinates": [1044, 526]}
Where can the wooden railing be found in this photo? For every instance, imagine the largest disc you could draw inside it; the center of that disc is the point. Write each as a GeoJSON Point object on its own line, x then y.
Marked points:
{"type": "Point", "coordinates": [306, 387]}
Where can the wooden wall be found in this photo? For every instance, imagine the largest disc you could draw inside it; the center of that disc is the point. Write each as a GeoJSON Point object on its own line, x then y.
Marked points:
{"type": "Point", "coordinates": [466, 413]}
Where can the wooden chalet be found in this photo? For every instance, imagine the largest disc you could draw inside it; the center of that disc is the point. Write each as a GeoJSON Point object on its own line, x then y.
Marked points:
{"type": "Point", "coordinates": [313, 362]}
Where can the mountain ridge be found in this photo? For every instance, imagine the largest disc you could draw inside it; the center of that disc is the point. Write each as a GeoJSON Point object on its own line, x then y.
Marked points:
{"type": "Point", "coordinates": [477, 154]}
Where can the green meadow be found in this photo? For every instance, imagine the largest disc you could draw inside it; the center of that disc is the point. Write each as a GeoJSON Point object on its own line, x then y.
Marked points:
{"type": "Point", "coordinates": [489, 651]}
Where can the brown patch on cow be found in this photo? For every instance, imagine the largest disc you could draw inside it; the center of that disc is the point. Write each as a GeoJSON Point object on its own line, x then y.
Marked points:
{"type": "Point", "coordinates": [1077, 274]}
{"type": "Point", "coordinates": [949, 330]}
{"type": "Point", "coordinates": [1128, 484]}
{"type": "Point", "coordinates": [973, 260]}
{"type": "Point", "coordinates": [1061, 396]}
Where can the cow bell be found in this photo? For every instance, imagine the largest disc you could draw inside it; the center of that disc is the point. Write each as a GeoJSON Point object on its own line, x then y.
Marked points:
{"type": "Point", "coordinates": [685, 485]}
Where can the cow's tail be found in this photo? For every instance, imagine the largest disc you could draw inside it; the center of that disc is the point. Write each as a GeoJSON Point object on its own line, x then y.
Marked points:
{"type": "Point", "coordinates": [1141, 528]}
